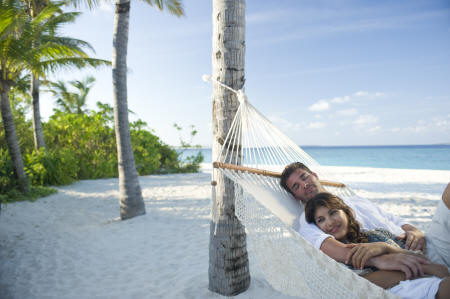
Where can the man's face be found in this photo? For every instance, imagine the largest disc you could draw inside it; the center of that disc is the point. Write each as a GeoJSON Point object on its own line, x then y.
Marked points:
{"type": "Point", "coordinates": [304, 185]}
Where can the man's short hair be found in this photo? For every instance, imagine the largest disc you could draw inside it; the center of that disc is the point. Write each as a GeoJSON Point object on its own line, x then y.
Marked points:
{"type": "Point", "coordinates": [290, 169]}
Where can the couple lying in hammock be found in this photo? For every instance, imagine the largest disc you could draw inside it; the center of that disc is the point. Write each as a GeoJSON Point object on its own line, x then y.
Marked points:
{"type": "Point", "coordinates": [335, 226]}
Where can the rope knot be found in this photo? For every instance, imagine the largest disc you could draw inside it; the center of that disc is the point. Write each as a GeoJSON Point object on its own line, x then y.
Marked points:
{"type": "Point", "coordinates": [242, 97]}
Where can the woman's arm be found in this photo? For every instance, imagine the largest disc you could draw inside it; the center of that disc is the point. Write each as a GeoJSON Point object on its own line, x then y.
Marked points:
{"type": "Point", "coordinates": [436, 270]}
{"type": "Point", "coordinates": [409, 264]}
{"type": "Point", "coordinates": [385, 278]}
{"type": "Point", "coordinates": [362, 252]}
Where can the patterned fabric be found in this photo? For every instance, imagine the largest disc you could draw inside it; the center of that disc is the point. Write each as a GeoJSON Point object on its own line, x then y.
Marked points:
{"type": "Point", "coordinates": [382, 235]}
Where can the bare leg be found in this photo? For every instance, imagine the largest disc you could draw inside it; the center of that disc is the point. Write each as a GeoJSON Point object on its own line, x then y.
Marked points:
{"type": "Point", "coordinates": [444, 289]}
{"type": "Point", "coordinates": [446, 196]}
{"type": "Point", "coordinates": [385, 278]}
{"type": "Point", "coordinates": [438, 233]}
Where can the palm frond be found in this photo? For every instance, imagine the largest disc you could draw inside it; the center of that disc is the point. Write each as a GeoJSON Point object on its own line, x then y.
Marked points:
{"type": "Point", "coordinates": [91, 4]}
{"type": "Point", "coordinates": [174, 6]}
{"type": "Point", "coordinates": [56, 64]}
{"type": "Point", "coordinates": [68, 42]}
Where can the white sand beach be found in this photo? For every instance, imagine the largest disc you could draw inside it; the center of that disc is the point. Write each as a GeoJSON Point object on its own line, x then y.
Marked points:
{"type": "Point", "coordinates": [71, 245]}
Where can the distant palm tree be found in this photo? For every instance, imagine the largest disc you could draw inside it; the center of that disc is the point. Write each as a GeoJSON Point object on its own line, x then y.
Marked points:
{"type": "Point", "coordinates": [71, 102]}
{"type": "Point", "coordinates": [131, 202]}
{"type": "Point", "coordinates": [228, 259]}
{"type": "Point", "coordinates": [34, 8]}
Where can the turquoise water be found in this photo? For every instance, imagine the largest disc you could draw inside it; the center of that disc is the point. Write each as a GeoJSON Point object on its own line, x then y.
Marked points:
{"type": "Point", "coordinates": [404, 157]}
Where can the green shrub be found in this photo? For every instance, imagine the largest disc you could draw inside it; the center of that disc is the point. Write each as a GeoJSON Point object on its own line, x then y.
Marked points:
{"type": "Point", "coordinates": [51, 167]}
{"type": "Point", "coordinates": [192, 163]}
{"type": "Point", "coordinates": [83, 146]}
{"type": "Point", "coordinates": [90, 140]}
{"type": "Point", "coordinates": [8, 180]}
{"type": "Point", "coordinates": [35, 193]}
{"type": "Point", "coordinates": [146, 149]}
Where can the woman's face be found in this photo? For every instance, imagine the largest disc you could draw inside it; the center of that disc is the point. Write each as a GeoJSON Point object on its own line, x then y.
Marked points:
{"type": "Point", "coordinates": [332, 221]}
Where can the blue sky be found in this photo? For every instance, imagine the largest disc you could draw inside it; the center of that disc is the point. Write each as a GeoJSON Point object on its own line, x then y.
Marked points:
{"type": "Point", "coordinates": [325, 72]}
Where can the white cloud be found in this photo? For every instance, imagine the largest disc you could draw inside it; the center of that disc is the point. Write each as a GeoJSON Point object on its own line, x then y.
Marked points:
{"type": "Point", "coordinates": [321, 105]}
{"type": "Point", "coordinates": [442, 123]}
{"type": "Point", "coordinates": [417, 129]}
{"type": "Point", "coordinates": [316, 125]}
{"type": "Point", "coordinates": [369, 94]}
{"type": "Point", "coordinates": [347, 112]}
{"type": "Point", "coordinates": [361, 94]}
{"type": "Point", "coordinates": [366, 119]}
{"type": "Point", "coordinates": [340, 100]}
{"type": "Point", "coordinates": [281, 122]}
{"type": "Point", "coordinates": [422, 126]}
{"type": "Point", "coordinates": [374, 129]}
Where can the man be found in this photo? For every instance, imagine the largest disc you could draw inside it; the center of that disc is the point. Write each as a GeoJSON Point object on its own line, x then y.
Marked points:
{"type": "Point", "coordinates": [304, 184]}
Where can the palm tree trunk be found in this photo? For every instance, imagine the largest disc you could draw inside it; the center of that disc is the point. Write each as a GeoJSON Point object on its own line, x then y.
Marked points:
{"type": "Point", "coordinates": [131, 202]}
{"type": "Point", "coordinates": [228, 259]}
{"type": "Point", "coordinates": [37, 124]}
{"type": "Point", "coordinates": [11, 138]}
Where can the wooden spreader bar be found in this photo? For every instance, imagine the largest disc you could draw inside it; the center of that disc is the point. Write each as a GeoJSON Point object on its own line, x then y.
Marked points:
{"type": "Point", "coordinates": [267, 173]}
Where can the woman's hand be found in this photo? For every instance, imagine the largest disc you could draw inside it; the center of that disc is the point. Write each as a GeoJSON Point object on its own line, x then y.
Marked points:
{"type": "Point", "coordinates": [361, 253]}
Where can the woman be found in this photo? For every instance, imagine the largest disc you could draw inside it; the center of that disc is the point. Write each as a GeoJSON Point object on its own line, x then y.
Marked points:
{"type": "Point", "coordinates": [335, 218]}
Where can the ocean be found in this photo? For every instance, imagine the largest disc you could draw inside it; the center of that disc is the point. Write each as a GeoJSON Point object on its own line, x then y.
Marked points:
{"type": "Point", "coordinates": [435, 157]}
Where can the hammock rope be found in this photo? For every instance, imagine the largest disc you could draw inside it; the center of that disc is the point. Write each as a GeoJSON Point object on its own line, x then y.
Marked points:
{"type": "Point", "coordinates": [253, 156]}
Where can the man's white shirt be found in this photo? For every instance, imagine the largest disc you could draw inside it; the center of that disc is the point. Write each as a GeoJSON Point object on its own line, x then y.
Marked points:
{"type": "Point", "coordinates": [366, 213]}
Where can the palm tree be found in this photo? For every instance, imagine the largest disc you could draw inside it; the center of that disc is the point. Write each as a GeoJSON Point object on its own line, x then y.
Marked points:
{"type": "Point", "coordinates": [19, 53]}
{"type": "Point", "coordinates": [34, 8]}
{"type": "Point", "coordinates": [11, 25]}
{"type": "Point", "coordinates": [71, 102]}
{"type": "Point", "coordinates": [228, 259]}
{"type": "Point", "coordinates": [131, 202]}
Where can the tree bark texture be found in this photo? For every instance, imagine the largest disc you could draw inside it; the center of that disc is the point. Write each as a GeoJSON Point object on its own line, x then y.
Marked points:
{"type": "Point", "coordinates": [131, 202]}
{"type": "Point", "coordinates": [12, 139]}
{"type": "Point", "coordinates": [228, 259]}
{"type": "Point", "coordinates": [37, 124]}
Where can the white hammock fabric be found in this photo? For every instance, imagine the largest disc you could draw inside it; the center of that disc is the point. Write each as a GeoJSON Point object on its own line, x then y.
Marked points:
{"type": "Point", "coordinates": [270, 215]}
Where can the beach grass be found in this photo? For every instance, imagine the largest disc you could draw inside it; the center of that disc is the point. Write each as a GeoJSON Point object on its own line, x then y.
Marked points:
{"type": "Point", "coordinates": [36, 192]}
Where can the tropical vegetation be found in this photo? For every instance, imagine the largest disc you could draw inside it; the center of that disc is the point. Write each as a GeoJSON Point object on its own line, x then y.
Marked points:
{"type": "Point", "coordinates": [131, 201]}
{"type": "Point", "coordinates": [80, 143]}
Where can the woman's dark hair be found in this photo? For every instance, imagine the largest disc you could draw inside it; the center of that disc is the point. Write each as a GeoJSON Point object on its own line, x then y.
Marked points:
{"type": "Point", "coordinates": [330, 201]}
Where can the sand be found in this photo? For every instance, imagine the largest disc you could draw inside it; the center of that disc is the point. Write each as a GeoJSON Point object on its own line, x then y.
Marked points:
{"type": "Point", "coordinates": [72, 245]}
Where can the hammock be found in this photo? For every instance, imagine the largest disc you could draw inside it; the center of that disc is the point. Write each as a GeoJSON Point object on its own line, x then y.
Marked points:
{"type": "Point", "coordinates": [253, 155]}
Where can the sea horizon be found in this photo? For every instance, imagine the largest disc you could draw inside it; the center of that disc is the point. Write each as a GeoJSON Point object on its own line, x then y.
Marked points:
{"type": "Point", "coordinates": [318, 145]}
{"type": "Point", "coordinates": [421, 156]}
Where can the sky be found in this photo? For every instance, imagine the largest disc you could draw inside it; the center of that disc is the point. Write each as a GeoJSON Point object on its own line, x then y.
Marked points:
{"type": "Point", "coordinates": [330, 73]}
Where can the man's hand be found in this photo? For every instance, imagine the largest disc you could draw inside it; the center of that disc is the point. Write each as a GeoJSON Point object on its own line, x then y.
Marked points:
{"type": "Point", "coordinates": [361, 253]}
{"type": "Point", "coordinates": [410, 264]}
{"type": "Point", "coordinates": [415, 238]}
